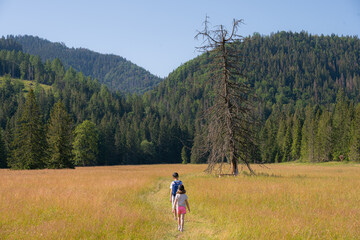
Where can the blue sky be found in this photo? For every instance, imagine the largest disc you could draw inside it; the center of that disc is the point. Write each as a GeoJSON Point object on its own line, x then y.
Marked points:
{"type": "Point", "coordinates": [159, 35]}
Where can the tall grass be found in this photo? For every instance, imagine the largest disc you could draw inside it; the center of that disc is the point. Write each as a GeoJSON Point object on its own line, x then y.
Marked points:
{"type": "Point", "coordinates": [85, 203]}
{"type": "Point", "coordinates": [132, 202]}
{"type": "Point", "coordinates": [287, 202]}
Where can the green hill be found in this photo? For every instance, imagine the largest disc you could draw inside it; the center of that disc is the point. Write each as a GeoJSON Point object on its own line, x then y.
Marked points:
{"type": "Point", "coordinates": [287, 72]}
{"type": "Point", "coordinates": [115, 71]}
{"type": "Point", "coordinates": [307, 102]}
{"type": "Point", "coordinates": [130, 130]}
{"type": "Point", "coordinates": [284, 68]}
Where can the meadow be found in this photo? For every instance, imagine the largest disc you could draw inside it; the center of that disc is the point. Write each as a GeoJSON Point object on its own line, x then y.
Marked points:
{"type": "Point", "coordinates": [27, 84]}
{"type": "Point", "coordinates": [284, 201]}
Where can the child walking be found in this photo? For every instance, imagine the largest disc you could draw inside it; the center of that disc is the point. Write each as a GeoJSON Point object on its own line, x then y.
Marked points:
{"type": "Point", "coordinates": [174, 186]}
{"type": "Point", "coordinates": [180, 200]}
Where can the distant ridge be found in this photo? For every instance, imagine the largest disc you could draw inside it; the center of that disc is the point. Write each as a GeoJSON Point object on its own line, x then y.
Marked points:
{"type": "Point", "coordinates": [114, 71]}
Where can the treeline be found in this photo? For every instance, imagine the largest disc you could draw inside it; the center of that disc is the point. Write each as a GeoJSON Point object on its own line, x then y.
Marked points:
{"type": "Point", "coordinates": [25, 66]}
{"type": "Point", "coordinates": [313, 134]}
{"type": "Point", "coordinates": [9, 44]}
{"type": "Point", "coordinates": [307, 104]}
{"type": "Point", "coordinates": [114, 71]}
{"type": "Point", "coordinates": [128, 130]}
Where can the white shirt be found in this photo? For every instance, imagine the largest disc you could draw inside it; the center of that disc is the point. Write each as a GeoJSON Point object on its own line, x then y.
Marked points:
{"type": "Point", "coordinates": [181, 199]}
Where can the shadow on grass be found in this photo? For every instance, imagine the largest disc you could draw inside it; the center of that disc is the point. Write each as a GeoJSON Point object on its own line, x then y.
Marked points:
{"type": "Point", "coordinates": [261, 174]}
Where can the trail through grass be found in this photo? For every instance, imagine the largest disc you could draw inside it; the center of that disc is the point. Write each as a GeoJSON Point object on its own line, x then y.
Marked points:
{"type": "Point", "coordinates": [132, 202]}
{"type": "Point", "coordinates": [196, 226]}
{"type": "Point", "coordinates": [293, 201]}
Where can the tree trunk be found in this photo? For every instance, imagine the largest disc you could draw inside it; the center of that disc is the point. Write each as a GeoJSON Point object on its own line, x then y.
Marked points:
{"type": "Point", "coordinates": [234, 166]}
{"type": "Point", "coordinates": [226, 128]}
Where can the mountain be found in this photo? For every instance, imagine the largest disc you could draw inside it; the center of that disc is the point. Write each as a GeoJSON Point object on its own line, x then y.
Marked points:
{"type": "Point", "coordinates": [307, 108]}
{"type": "Point", "coordinates": [283, 68]}
{"type": "Point", "coordinates": [114, 71]}
{"type": "Point", "coordinates": [287, 72]}
{"type": "Point", "coordinates": [129, 130]}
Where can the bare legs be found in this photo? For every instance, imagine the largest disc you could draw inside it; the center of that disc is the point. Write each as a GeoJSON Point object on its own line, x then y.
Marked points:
{"type": "Point", "coordinates": [181, 218]}
{"type": "Point", "coordinates": [173, 202]}
{"type": "Point", "coordinates": [175, 214]}
{"type": "Point", "coordinates": [179, 222]}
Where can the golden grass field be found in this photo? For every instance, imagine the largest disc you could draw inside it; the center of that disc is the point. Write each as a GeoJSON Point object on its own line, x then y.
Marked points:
{"type": "Point", "coordinates": [287, 201]}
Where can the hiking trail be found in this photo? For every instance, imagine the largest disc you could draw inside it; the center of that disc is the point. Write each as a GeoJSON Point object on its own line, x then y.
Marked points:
{"type": "Point", "coordinates": [195, 227]}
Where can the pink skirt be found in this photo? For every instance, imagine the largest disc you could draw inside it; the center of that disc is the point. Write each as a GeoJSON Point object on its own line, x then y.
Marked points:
{"type": "Point", "coordinates": [181, 210]}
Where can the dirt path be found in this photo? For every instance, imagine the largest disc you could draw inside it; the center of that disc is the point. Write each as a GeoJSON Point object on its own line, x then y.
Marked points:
{"type": "Point", "coordinates": [196, 226]}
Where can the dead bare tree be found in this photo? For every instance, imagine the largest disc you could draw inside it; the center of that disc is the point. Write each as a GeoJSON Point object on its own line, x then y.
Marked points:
{"type": "Point", "coordinates": [228, 135]}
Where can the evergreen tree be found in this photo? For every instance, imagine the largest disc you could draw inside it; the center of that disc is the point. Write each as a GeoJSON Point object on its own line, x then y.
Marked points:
{"type": "Point", "coordinates": [120, 143]}
{"type": "Point", "coordinates": [3, 155]}
{"type": "Point", "coordinates": [59, 138]}
{"type": "Point", "coordinates": [106, 141]}
{"type": "Point", "coordinates": [29, 144]}
{"type": "Point", "coordinates": [287, 142]}
{"type": "Point", "coordinates": [341, 127]}
{"type": "Point", "coordinates": [148, 150]}
{"type": "Point", "coordinates": [354, 154]}
{"type": "Point", "coordinates": [197, 153]}
{"type": "Point", "coordinates": [85, 145]}
{"type": "Point", "coordinates": [184, 156]}
{"type": "Point", "coordinates": [296, 142]}
{"type": "Point", "coordinates": [308, 136]}
{"type": "Point", "coordinates": [323, 138]}
{"type": "Point", "coordinates": [269, 145]}
{"type": "Point", "coordinates": [280, 140]}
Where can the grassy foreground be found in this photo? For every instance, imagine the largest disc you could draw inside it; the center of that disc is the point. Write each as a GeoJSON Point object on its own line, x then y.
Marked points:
{"type": "Point", "coordinates": [132, 202]}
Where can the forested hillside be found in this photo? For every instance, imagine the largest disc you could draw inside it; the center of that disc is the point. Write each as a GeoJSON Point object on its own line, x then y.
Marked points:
{"type": "Point", "coordinates": [116, 72]}
{"type": "Point", "coordinates": [307, 104]}
{"type": "Point", "coordinates": [296, 78]}
{"type": "Point", "coordinates": [125, 130]}
{"type": "Point", "coordinates": [9, 44]}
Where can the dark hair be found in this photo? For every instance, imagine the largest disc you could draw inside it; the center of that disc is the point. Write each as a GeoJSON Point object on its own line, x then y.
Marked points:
{"type": "Point", "coordinates": [175, 175]}
{"type": "Point", "coordinates": [181, 189]}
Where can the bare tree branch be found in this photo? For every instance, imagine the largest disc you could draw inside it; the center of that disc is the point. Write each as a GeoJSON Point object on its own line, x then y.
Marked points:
{"type": "Point", "coordinates": [228, 133]}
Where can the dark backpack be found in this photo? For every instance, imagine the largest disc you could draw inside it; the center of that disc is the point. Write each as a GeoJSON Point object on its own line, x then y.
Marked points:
{"type": "Point", "coordinates": [175, 187]}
